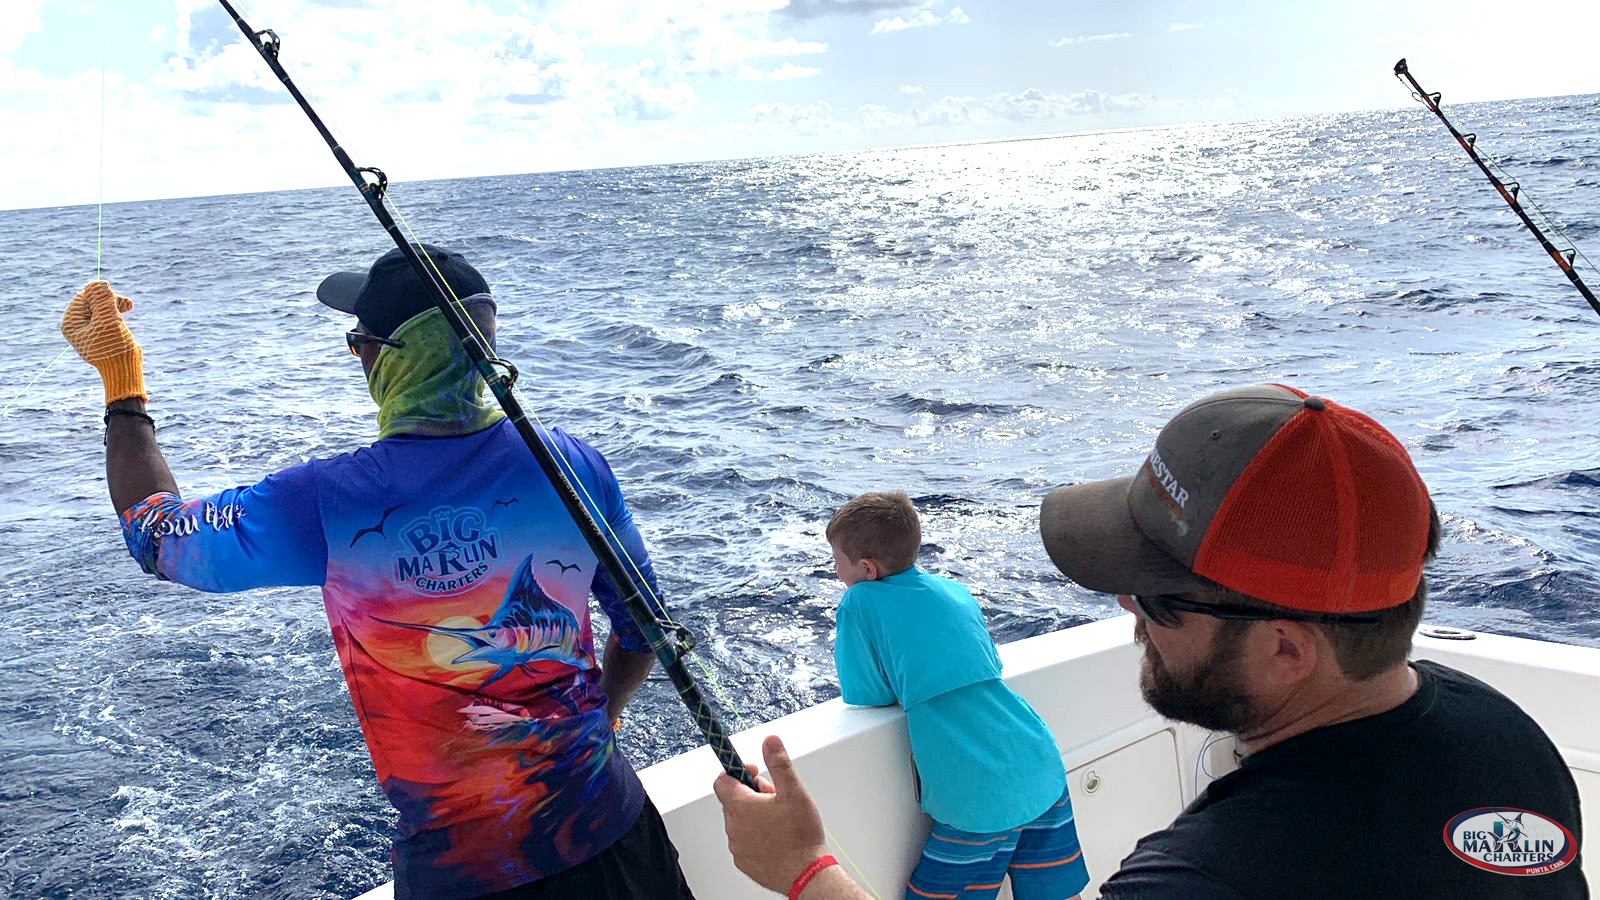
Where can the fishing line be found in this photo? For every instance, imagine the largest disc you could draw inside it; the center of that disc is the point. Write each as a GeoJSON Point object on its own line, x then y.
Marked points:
{"type": "Point", "coordinates": [100, 219]}
{"type": "Point", "coordinates": [99, 232]}
{"type": "Point", "coordinates": [653, 600]}
{"type": "Point", "coordinates": [6, 410]}
{"type": "Point", "coordinates": [657, 606]}
{"type": "Point", "coordinates": [500, 375]}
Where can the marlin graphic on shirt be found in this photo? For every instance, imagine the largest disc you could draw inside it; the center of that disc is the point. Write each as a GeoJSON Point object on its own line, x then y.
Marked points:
{"type": "Point", "coordinates": [528, 627]}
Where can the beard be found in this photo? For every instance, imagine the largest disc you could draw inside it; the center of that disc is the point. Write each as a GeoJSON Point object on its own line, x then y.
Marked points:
{"type": "Point", "coordinates": [1213, 695]}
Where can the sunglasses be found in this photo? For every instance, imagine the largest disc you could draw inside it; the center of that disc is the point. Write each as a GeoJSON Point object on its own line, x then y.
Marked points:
{"type": "Point", "coordinates": [1163, 609]}
{"type": "Point", "coordinates": [354, 340]}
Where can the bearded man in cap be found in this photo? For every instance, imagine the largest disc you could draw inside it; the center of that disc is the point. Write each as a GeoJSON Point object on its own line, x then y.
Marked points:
{"type": "Point", "coordinates": [457, 589]}
{"type": "Point", "coordinates": [1271, 549]}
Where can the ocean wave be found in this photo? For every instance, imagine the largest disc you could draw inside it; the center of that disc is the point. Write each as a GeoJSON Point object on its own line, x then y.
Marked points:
{"type": "Point", "coordinates": [1577, 478]}
{"type": "Point", "coordinates": [1553, 596]}
{"type": "Point", "coordinates": [913, 404]}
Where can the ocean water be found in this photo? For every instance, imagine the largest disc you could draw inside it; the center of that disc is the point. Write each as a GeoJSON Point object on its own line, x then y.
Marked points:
{"type": "Point", "coordinates": [751, 343]}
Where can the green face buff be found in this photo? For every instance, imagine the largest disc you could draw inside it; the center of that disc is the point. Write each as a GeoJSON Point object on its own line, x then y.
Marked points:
{"type": "Point", "coordinates": [429, 388]}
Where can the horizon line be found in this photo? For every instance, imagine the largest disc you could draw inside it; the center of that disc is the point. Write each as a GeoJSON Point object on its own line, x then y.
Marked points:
{"type": "Point", "coordinates": [961, 142]}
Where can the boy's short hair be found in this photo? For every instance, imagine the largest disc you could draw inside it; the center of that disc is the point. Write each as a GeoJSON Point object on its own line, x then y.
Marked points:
{"type": "Point", "coordinates": [881, 525]}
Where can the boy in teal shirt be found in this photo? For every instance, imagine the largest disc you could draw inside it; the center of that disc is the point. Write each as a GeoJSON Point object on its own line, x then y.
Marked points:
{"type": "Point", "coordinates": [990, 773]}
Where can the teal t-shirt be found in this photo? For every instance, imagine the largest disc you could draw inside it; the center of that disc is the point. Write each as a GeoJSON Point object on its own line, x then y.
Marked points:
{"type": "Point", "coordinates": [986, 761]}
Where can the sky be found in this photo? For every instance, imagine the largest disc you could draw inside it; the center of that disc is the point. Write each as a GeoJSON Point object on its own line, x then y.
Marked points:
{"type": "Point", "coordinates": [140, 99]}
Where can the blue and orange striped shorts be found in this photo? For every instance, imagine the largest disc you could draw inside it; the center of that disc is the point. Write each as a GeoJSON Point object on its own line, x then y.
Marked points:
{"type": "Point", "coordinates": [1042, 858]}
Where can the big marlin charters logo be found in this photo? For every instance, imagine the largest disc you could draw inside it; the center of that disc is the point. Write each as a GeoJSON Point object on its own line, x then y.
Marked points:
{"type": "Point", "coordinates": [446, 551]}
{"type": "Point", "coordinates": [1510, 841]}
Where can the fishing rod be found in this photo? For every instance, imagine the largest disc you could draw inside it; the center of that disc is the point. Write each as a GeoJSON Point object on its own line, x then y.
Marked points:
{"type": "Point", "coordinates": [670, 646]}
{"type": "Point", "coordinates": [1511, 193]}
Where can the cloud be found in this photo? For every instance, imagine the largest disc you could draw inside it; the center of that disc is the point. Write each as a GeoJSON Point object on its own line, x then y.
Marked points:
{"type": "Point", "coordinates": [21, 19]}
{"type": "Point", "coordinates": [433, 94]}
{"type": "Point", "coordinates": [925, 18]}
{"type": "Point", "coordinates": [816, 9]}
{"type": "Point", "coordinates": [1028, 105]}
{"type": "Point", "coordinates": [539, 98]}
{"type": "Point", "coordinates": [1380, 6]}
{"type": "Point", "coordinates": [488, 94]}
{"type": "Point", "coordinates": [1183, 26]}
{"type": "Point", "coordinates": [704, 37]}
{"type": "Point", "coordinates": [910, 88]}
{"type": "Point", "coordinates": [786, 72]}
{"type": "Point", "coordinates": [438, 88]}
{"type": "Point", "coordinates": [803, 119]}
{"type": "Point", "coordinates": [231, 73]}
{"type": "Point", "coordinates": [875, 117]}
{"type": "Point", "coordinates": [789, 71]}
{"type": "Point", "coordinates": [211, 27]}
{"type": "Point", "coordinates": [246, 94]}
{"type": "Point", "coordinates": [529, 66]}
{"type": "Point", "coordinates": [1393, 37]}
{"type": "Point", "coordinates": [638, 92]}
{"type": "Point", "coordinates": [784, 47]}
{"type": "Point", "coordinates": [1090, 38]}
{"type": "Point", "coordinates": [1034, 103]}
{"type": "Point", "coordinates": [542, 44]}
{"type": "Point", "coordinates": [947, 110]}
{"type": "Point", "coordinates": [714, 51]}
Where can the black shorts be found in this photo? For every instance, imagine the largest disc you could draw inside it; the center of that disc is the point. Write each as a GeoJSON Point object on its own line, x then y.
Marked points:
{"type": "Point", "coordinates": [641, 865]}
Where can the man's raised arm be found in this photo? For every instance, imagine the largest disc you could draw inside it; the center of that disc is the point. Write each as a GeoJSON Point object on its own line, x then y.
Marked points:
{"type": "Point", "coordinates": [93, 325]}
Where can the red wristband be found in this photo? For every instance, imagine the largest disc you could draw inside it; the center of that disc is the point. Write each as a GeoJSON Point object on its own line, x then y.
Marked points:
{"type": "Point", "coordinates": [804, 878]}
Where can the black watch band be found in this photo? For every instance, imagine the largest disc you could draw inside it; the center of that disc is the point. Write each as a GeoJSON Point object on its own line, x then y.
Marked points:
{"type": "Point", "coordinates": [119, 411]}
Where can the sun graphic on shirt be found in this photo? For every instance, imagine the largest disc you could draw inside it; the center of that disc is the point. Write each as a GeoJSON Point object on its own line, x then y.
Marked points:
{"type": "Point", "coordinates": [442, 648]}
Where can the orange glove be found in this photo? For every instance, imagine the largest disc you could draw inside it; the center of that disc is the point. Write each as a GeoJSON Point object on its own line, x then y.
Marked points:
{"type": "Point", "coordinates": [93, 326]}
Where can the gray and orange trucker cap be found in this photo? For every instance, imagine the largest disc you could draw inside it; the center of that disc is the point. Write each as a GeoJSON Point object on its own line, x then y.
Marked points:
{"type": "Point", "coordinates": [1265, 490]}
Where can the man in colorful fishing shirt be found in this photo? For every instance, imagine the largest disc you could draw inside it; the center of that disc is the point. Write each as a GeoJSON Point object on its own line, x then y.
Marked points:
{"type": "Point", "coordinates": [457, 588]}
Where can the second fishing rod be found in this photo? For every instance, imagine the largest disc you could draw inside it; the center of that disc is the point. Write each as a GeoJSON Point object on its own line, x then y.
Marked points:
{"type": "Point", "coordinates": [670, 641]}
{"type": "Point", "coordinates": [1511, 193]}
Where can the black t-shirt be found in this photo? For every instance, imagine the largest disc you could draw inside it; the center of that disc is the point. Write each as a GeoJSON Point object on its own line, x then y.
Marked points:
{"type": "Point", "coordinates": [1359, 809]}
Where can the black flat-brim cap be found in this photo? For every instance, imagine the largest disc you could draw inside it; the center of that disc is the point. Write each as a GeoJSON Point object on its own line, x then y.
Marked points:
{"type": "Point", "coordinates": [390, 293]}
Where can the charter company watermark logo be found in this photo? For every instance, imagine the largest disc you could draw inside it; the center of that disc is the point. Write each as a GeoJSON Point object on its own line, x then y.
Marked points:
{"type": "Point", "coordinates": [447, 551]}
{"type": "Point", "coordinates": [1510, 841]}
